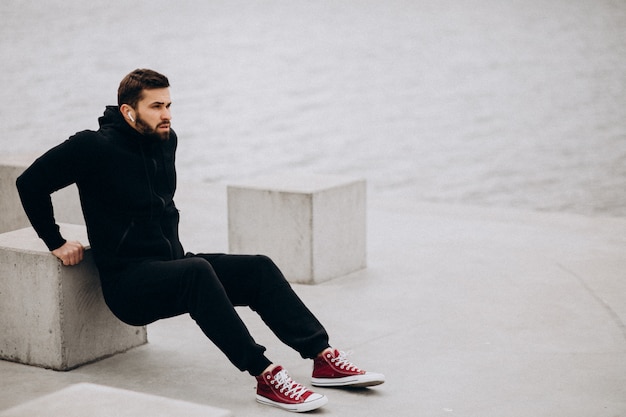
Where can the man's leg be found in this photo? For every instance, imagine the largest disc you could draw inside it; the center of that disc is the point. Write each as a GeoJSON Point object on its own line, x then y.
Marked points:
{"type": "Point", "coordinates": [156, 290]}
{"type": "Point", "coordinates": [255, 281]}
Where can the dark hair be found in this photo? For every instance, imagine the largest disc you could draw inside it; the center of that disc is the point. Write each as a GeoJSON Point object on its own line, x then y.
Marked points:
{"type": "Point", "coordinates": [131, 87]}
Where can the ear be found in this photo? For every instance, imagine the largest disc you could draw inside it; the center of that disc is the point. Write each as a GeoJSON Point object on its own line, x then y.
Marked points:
{"type": "Point", "coordinates": [128, 113]}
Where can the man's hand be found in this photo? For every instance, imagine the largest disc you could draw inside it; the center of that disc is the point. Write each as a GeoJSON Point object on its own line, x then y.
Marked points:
{"type": "Point", "coordinates": [71, 253]}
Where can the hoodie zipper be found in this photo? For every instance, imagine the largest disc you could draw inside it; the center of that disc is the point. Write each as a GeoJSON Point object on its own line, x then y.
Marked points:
{"type": "Point", "coordinates": [153, 193]}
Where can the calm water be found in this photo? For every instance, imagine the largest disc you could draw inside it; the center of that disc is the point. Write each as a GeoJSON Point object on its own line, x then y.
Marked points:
{"type": "Point", "coordinates": [508, 103]}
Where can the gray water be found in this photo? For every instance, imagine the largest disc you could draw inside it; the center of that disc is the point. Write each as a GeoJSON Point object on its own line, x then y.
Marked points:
{"type": "Point", "coordinates": [500, 103]}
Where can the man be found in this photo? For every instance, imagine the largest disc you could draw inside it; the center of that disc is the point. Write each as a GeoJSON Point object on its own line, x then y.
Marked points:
{"type": "Point", "coordinates": [126, 178]}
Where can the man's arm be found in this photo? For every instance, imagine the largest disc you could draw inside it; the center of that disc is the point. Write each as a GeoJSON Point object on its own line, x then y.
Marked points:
{"type": "Point", "coordinates": [51, 172]}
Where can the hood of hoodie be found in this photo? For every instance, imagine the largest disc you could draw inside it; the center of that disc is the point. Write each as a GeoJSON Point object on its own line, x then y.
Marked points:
{"type": "Point", "coordinates": [113, 119]}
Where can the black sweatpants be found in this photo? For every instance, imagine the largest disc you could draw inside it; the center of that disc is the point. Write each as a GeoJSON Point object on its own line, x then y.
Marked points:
{"type": "Point", "coordinates": [208, 286]}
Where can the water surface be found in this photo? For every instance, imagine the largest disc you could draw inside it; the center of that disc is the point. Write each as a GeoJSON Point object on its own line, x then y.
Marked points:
{"type": "Point", "coordinates": [513, 104]}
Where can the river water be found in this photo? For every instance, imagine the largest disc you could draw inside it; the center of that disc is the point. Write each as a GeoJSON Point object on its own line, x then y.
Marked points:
{"type": "Point", "coordinates": [484, 102]}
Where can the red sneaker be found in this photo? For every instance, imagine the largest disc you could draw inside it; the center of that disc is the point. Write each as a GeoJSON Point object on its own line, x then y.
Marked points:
{"type": "Point", "coordinates": [276, 388]}
{"type": "Point", "coordinates": [332, 369]}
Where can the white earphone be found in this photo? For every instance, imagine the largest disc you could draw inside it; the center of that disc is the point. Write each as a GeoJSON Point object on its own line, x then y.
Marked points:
{"type": "Point", "coordinates": [130, 116]}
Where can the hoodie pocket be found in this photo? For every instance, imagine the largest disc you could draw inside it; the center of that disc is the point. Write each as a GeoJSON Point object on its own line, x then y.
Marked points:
{"type": "Point", "coordinates": [130, 226]}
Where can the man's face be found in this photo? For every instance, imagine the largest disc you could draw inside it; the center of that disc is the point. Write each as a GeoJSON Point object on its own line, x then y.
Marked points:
{"type": "Point", "coordinates": [153, 114]}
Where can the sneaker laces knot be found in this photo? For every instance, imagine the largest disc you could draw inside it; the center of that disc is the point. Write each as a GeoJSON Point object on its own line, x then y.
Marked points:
{"type": "Point", "coordinates": [342, 362]}
{"type": "Point", "coordinates": [287, 386]}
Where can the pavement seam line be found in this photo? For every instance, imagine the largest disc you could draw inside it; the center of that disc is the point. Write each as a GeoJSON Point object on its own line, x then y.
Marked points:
{"type": "Point", "coordinates": [605, 306]}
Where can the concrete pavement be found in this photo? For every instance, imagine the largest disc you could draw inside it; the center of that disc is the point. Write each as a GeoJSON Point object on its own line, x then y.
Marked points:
{"type": "Point", "coordinates": [467, 311]}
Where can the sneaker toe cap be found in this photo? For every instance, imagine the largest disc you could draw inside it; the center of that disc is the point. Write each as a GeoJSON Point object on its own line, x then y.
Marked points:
{"type": "Point", "coordinates": [315, 397]}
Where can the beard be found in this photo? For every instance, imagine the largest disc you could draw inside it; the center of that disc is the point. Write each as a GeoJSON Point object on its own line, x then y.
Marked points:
{"type": "Point", "coordinates": [151, 132]}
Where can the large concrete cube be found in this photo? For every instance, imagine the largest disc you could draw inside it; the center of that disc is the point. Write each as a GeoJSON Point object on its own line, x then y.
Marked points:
{"type": "Point", "coordinates": [51, 315]}
{"type": "Point", "coordinates": [312, 226]}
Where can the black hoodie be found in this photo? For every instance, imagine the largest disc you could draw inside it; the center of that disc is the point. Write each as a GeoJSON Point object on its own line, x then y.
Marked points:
{"type": "Point", "coordinates": [126, 183]}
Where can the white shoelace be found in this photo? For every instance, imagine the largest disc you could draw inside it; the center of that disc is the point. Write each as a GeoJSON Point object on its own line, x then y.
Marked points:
{"type": "Point", "coordinates": [342, 362]}
{"type": "Point", "coordinates": [288, 386]}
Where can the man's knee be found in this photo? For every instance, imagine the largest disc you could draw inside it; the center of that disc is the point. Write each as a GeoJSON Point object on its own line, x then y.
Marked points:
{"type": "Point", "coordinates": [266, 268]}
{"type": "Point", "coordinates": [199, 270]}
{"type": "Point", "coordinates": [265, 261]}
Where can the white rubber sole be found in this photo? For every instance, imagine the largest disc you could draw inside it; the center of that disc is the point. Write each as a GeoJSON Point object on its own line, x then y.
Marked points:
{"type": "Point", "coordinates": [369, 379]}
{"type": "Point", "coordinates": [296, 408]}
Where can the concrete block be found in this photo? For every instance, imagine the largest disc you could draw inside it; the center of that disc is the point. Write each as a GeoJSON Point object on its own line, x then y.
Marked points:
{"type": "Point", "coordinates": [51, 315]}
{"type": "Point", "coordinates": [66, 201]}
{"type": "Point", "coordinates": [312, 226]}
{"type": "Point", "coordinates": [92, 400]}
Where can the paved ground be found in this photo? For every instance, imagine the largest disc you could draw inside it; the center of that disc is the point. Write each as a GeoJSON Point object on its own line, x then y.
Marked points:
{"type": "Point", "coordinates": [468, 311]}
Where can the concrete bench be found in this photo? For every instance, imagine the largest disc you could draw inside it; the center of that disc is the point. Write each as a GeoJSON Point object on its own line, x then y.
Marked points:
{"type": "Point", "coordinates": [312, 226]}
{"type": "Point", "coordinates": [51, 315]}
{"type": "Point", "coordinates": [92, 400]}
{"type": "Point", "coordinates": [66, 202]}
